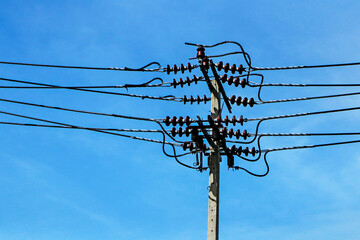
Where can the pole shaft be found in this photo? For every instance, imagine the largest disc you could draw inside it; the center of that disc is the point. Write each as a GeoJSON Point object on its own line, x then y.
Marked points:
{"type": "Point", "coordinates": [214, 172]}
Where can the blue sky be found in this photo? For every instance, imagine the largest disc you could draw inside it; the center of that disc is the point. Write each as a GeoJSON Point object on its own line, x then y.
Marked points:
{"type": "Point", "coordinates": [72, 184]}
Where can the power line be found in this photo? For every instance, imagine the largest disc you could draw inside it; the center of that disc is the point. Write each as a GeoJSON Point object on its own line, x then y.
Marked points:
{"type": "Point", "coordinates": [306, 66]}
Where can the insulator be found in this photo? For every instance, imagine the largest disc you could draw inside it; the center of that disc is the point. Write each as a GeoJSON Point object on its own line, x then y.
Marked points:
{"type": "Point", "coordinates": [253, 151]}
{"type": "Point", "coordinates": [219, 65]}
{"type": "Point", "coordinates": [168, 69]}
{"type": "Point", "coordinates": [181, 82]}
{"type": "Point", "coordinates": [224, 131]}
{"type": "Point", "coordinates": [246, 151]}
{"type": "Point", "coordinates": [230, 161]}
{"type": "Point", "coordinates": [224, 78]}
{"type": "Point", "coordinates": [233, 120]}
{"type": "Point", "coordinates": [243, 83]}
{"type": "Point", "coordinates": [233, 68]}
{"type": "Point", "coordinates": [184, 146]}
{"type": "Point", "coordinates": [206, 99]}
{"type": "Point", "coordinates": [181, 121]}
{"type": "Point", "coordinates": [189, 67]}
{"type": "Point", "coordinates": [174, 83]}
{"type": "Point", "coordinates": [194, 134]}
{"type": "Point", "coordinates": [180, 132]}
{"type": "Point", "coordinates": [167, 121]}
{"type": "Point", "coordinates": [245, 135]}
{"type": "Point", "coordinates": [245, 101]}
{"type": "Point", "coordinates": [240, 69]}
{"type": "Point", "coordinates": [226, 67]}
{"type": "Point", "coordinates": [175, 69]}
{"type": "Point", "coordinates": [182, 68]}
{"type": "Point", "coordinates": [219, 119]}
{"type": "Point", "coordinates": [231, 133]}
{"type": "Point", "coordinates": [239, 150]}
{"type": "Point", "coordinates": [188, 81]}
{"type": "Point", "coordinates": [230, 80]}
{"type": "Point", "coordinates": [200, 52]}
{"type": "Point", "coordinates": [198, 99]}
{"type": "Point", "coordinates": [237, 81]}
{"type": "Point", "coordinates": [187, 121]}
{"type": "Point", "coordinates": [206, 63]}
{"type": "Point", "coordinates": [185, 99]}
{"type": "Point", "coordinates": [173, 131]}
{"type": "Point", "coordinates": [192, 99]}
{"type": "Point", "coordinates": [187, 131]}
{"type": "Point", "coordinates": [233, 150]}
{"type": "Point", "coordinates": [232, 99]}
{"type": "Point", "coordinates": [195, 79]}
{"type": "Point", "coordinates": [251, 102]}
{"type": "Point", "coordinates": [226, 120]}
{"type": "Point", "coordinates": [191, 146]}
{"type": "Point", "coordinates": [241, 120]}
{"type": "Point", "coordinates": [238, 101]}
{"type": "Point", "coordinates": [237, 134]}
{"type": "Point", "coordinates": [173, 121]}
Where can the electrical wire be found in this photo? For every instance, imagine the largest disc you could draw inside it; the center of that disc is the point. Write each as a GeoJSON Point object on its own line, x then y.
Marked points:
{"type": "Point", "coordinates": [166, 98]}
{"type": "Point", "coordinates": [305, 66]}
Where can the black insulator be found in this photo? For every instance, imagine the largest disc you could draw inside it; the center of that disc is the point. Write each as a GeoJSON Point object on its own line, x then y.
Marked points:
{"type": "Point", "coordinates": [219, 65]}
{"type": "Point", "coordinates": [206, 63]}
{"type": "Point", "coordinates": [251, 102]}
{"type": "Point", "coordinates": [232, 99]}
{"type": "Point", "coordinates": [189, 67]}
{"type": "Point", "coordinates": [241, 120]}
{"type": "Point", "coordinates": [188, 81]}
{"type": "Point", "coordinates": [253, 151]}
{"type": "Point", "coordinates": [187, 131]}
{"type": "Point", "coordinates": [230, 161]}
{"type": "Point", "coordinates": [237, 134]}
{"type": "Point", "coordinates": [237, 81]}
{"type": "Point", "coordinates": [238, 101]}
{"type": "Point", "coordinates": [246, 151]}
{"type": "Point", "coordinates": [243, 83]}
{"type": "Point", "coordinates": [224, 78]}
{"type": "Point", "coordinates": [173, 131]}
{"type": "Point", "coordinates": [231, 133]}
{"type": "Point", "coordinates": [239, 150]}
{"type": "Point", "coordinates": [167, 121]}
{"type": "Point", "coordinates": [206, 99]}
{"type": "Point", "coordinates": [185, 99]}
{"type": "Point", "coordinates": [200, 52]}
{"type": "Point", "coordinates": [181, 121]}
{"type": "Point", "coordinates": [173, 121]}
{"type": "Point", "coordinates": [230, 80]}
{"type": "Point", "coordinates": [245, 101]}
{"type": "Point", "coordinates": [198, 99]}
{"type": "Point", "coordinates": [245, 134]}
{"type": "Point", "coordinates": [233, 68]}
{"type": "Point", "coordinates": [174, 83]}
{"type": "Point", "coordinates": [168, 69]}
{"type": "Point", "coordinates": [195, 79]}
{"type": "Point", "coordinates": [191, 146]}
{"type": "Point", "coordinates": [233, 150]}
{"type": "Point", "coordinates": [226, 120]}
{"type": "Point", "coordinates": [184, 146]}
{"type": "Point", "coordinates": [192, 99]}
{"type": "Point", "coordinates": [219, 119]}
{"type": "Point", "coordinates": [180, 132]}
{"type": "Point", "coordinates": [233, 120]}
{"type": "Point", "coordinates": [240, 69]}
{"type": "Point", "coordinates": [226, 67]}
{"type": "Point", "coordinates": [182, 68]}
{"type": "Point", "coordinates": [175, 69]}
{"type": "Point", "coordinates": [181, 82]}
{"type": "Point", "coordinates": [224, 131]}
{"type": "Point", "coordinates": [187, 121]}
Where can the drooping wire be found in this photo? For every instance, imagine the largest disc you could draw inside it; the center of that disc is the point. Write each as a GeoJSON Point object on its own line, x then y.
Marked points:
{"type": "Point", "coordinates": [141, 69]}
{"type": "Point", "coordinates": [166, 98]}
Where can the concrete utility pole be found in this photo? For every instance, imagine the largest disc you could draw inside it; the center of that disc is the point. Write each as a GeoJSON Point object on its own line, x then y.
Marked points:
{"type": "Point", "coordinates": [214, 171]}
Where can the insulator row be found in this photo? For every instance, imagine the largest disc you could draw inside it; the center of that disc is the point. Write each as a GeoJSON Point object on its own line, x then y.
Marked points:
{"type": "Point", "coordinates": [181, 121]}
{"type": "Point", "coordinates": [225, 132]}
{"type": "Point", "coordinates": [176, 69]}
{"type": "Point", "coordinates": [231, 80]}
{"type": "Point", "coordinates": [192, 146]}
{"type": "Point", "coordinates": [198, 99]}
{"type": "Point", "coordinates": [238, 151]}
{"type": "Point", "coordinates": [187, 131]}
{"type": "Point", "coordinates": [220, 66]}
{"type": "Point", "coordinates": [233, 120]}
{"type": "Point", "coordinates": [182, 82]}
{"type": "Point", "coordinates": [244, 101]}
